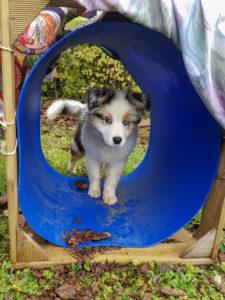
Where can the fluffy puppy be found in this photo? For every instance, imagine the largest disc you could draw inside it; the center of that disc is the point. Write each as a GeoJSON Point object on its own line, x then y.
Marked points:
{"type": "Point", "coordinates": [106, 134]}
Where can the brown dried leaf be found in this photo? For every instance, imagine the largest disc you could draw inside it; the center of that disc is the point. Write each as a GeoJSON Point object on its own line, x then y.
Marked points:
{"type": "Point", "coordinates": [37, 273]}
{"type": "Point", "coordinates": [221, 256]}
{"type": "Point", "coordinates": [8, 296]}
{"type": "Point", "coordinates": [66, 291]}
{"type": "Point", "coordinates": [42, 281]}
{"type": "Point", "coordinates": [163, 268]}
{"type": "Point", "coordinates": [3, 201]}
{"type": "Point", "coordinates": [81, 185]}
{"type": "Point", "coordinates": [72, 279]}
{"type": "Point", "coordinates": [147, 297]}
{"type": "Point", "coordinates": [143, 288]}
{"type": "Point", "coordinates": [144, 267]}
{"type": "Point", "coordinates": [172, 292]}
{"type": "Point", "coordinates": [76, 237]}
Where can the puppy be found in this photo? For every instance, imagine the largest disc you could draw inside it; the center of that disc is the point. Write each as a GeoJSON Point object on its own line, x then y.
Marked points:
{"type": "Point", "coordinates": [106, 134]}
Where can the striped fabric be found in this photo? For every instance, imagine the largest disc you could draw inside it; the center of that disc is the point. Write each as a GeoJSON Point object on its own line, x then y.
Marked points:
{"type": "Point", "coordinates": [197, 27]}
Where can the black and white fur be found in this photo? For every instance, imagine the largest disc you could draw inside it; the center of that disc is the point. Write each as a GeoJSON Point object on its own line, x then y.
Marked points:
{"type": "Point", "coordinates": [106, 134]}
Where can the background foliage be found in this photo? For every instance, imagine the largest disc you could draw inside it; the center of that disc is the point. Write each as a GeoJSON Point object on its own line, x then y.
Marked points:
{"type": "Point", "coordinates": [84, 66]}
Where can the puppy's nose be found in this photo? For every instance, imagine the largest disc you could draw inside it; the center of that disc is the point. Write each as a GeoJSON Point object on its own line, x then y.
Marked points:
{"type": "Point", "coordinates": [117, 140]}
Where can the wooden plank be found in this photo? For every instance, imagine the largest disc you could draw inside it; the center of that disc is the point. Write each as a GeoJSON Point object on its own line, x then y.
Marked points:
{"type": "Point", "coordinates": [22, 12]}
{"type": "Point", "coordinates": [64, 3]}
{"type": "Point", "coordinates": [201, 248]}
{"type": "Point", "coordinates": [219, 229]}
{"type": "Point", "coordinates": [28, 250]}
{"type": "Point", "coordinates": [211, 211]}
{"type": "Point", "coordinates": [213, 215]}
{"type": "Point", "coordinates": [170, 252]}
{"type": "Point", "coordinates": [8, 85]}
{"type": "Point", "coordinates": [221, 170]}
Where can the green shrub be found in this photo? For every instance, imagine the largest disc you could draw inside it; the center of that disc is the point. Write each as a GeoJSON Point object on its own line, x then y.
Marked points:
{"type": "Point", "coordinates": [84, 66]}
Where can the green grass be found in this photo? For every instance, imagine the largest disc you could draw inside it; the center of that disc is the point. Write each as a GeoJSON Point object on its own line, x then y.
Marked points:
{"type": "Point", "coordinates": [124, 282]}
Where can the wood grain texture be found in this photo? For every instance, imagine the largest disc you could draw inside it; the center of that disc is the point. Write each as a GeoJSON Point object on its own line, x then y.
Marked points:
{"type": "Point", "coordinates": [202, 247]}
{"type": "Point", "coordinates": [64, 3]}
{"type": "Point", "coordinates": [28, 250]}
{"type": "Point", "coordinates": [8, 87]}
{"type": "Point", "coordinates": [162, 253]}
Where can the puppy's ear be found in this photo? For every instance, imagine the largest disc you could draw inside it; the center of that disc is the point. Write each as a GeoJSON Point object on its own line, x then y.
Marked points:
{"type": "Point", "coordinates": [97, 97]}
{"type": "Point", "coordinates": [141, 101]}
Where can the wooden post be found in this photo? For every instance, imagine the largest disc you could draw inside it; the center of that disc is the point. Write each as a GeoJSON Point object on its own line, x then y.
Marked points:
{"type": "Point", "coordinates": [213, 215]}
{"type": "Point", "coordinates": [8, 82]}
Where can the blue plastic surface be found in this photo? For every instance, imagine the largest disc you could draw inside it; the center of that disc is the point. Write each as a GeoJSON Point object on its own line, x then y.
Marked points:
{"type": "Point", "coordinates": [172, 182]}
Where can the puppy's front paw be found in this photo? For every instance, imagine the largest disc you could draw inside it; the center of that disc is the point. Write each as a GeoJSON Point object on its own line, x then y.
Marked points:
{"type": "Point", "coordinates": [94, 192]}
{"type": "Point", "coordinates": [109, 199]}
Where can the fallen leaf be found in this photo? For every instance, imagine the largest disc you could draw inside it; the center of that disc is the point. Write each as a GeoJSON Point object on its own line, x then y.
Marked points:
{"type": "Point", "coordinates": [221, 256]}
{"type": "Point", "coordinates": [3, 201]}
{"type": "Point", "coordinates": [143, 288]}
{"type": "Point", "coordinates": [172, 292]}
{"type": "Point", "coordinates": [147, 297]}
{"type": "Point", "coordinates": [72, 279]}
{"type": "Point", "coordinates": [66, 291]}
{"type": "Point", "coordinates": [8, 296]}
{"type": "Point", "coordinates": [144, 267]}
{"type": "Point", "coordinates": [76, 237]}
{"type": "Point", "coordinates": [42, 281]}
{"type": "Point", "coordinates": [163, 268]}
{"type": "Point", "coordinates": [81, 185]}
{"type": "Point", "coordinates": [37, 273]}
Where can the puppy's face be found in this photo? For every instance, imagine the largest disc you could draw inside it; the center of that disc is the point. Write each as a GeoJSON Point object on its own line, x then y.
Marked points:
{"type": "Point", "coordinates": [115, 113]}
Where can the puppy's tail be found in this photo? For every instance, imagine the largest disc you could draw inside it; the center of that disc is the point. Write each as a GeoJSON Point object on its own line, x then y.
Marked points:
{"type": "Point", "coordinates": [66, 107]}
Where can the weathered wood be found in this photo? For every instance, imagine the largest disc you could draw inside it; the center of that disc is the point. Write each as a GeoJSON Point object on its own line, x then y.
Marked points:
{"type": "Point", "coordinates": [162, 253]}
{"type": "Point", "coordinates": [213, 215]}
{"type": "Point", "coordinates": [221, 169]}
{"type": "Point", "coordinates": [28, 250]}
{"type": "Point", "coordinates": [8, 86]}
{"type": "Point", "coordinates": [22, 12]}
{"type": "Point", "coordinates": [210, 214]}
{"type": "Point", "coordinates": [219, 229]}
{"type": "Point", "coordinates": [64, 3]}
{"type": "Point", "coordinates": [201, 248]}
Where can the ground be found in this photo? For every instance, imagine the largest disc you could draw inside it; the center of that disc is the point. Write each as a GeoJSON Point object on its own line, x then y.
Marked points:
{"type": "Point", "coordinates": [84, 280]}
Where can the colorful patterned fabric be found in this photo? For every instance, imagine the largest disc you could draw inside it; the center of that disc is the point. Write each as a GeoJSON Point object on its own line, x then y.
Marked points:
{"type": "Point", "coordinates": [35, 39]}
{"type": "Point", "coordinates": [42, 32]}
{"type": "Point", "coordinates": [21, 70]}
{"type": "Point", "coordinates": [197, 27]}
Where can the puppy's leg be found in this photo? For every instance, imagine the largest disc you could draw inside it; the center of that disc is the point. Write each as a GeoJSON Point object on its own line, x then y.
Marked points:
{"type": "Point", "coordinates": [93, 169]}
{"type": "Point", "coordinates": [113, 174]}
{"type": "Point", "coordinates": [75, 156]}
{"type": "Point", "coordinates": [77, 150]}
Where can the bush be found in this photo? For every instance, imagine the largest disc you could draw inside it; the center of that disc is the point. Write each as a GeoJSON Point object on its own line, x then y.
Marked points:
{"type": "Point", "coordinates": [84, 66]}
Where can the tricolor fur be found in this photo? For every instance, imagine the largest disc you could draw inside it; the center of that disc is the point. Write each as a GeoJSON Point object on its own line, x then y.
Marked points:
{"type": "Point", "coordinates": [106, 134]}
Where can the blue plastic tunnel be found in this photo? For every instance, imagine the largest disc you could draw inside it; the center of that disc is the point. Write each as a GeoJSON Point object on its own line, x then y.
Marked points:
{"type": "Point", "coordinates": [174, 179]}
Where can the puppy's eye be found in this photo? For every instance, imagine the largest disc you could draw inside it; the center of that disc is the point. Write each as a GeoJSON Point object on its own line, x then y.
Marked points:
{"type": "Point", "coordinates": [126, 123]}
{"type": "Point", "coordinates": [108, 120]}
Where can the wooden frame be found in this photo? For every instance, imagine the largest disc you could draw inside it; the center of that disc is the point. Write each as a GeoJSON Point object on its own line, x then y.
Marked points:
{"type": "Point", "coordinates": [24, 250]}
